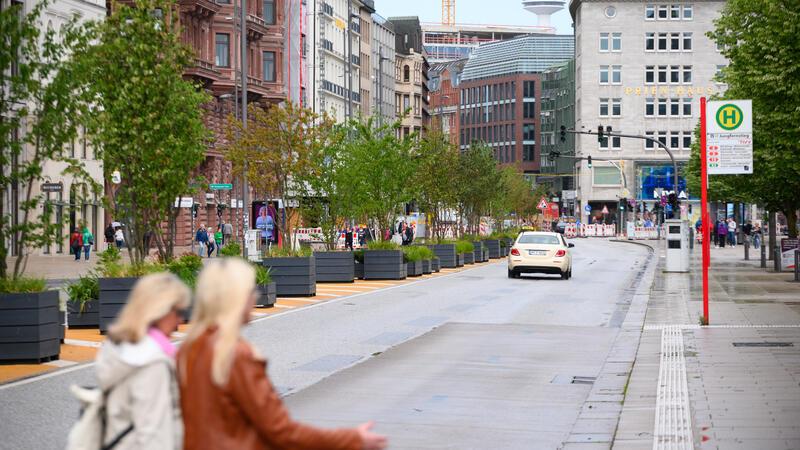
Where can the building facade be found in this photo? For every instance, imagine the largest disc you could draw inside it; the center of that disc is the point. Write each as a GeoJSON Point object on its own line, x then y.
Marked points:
{"type": "Point", "coordinates": [500, 97]}
{"type": "Point", "coordinates": [411, 76]}
{"type": "Point", "coordinates": [557, 160]}
{"type": "Point", "coordinates": [641, 68]}
{"type": "Point", "coordinates": [383, 69]}
{"type": "Point", "coordinates": [74, 204]}
{"type": "Point", "coordinates": [444, 42]}
{"type": "Point", "coordinates": [444, 81]}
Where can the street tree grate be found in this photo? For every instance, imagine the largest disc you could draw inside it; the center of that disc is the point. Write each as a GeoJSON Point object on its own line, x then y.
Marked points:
{"type": "Point", "coordinates": [763, 344]}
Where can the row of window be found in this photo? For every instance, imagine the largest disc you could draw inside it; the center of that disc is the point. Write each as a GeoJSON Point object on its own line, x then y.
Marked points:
{"type": "Point", "coordinates": [497, 92]}
{"type": "Point", "coordinates": [674, 140]}
{"type": "Point", "coordinates": [498, 134]}
{"type": "Point", "coordinates": [267, 10]}
{"type": "Point", "coordinates": [654, 107]}
{"type": "Point", "coordinates": [676, 41]}
{"type": "Point", "coordinates": [668, 12]}
{"type": "Point", "coordinates": [222, 57]}
{"type": "Point", "coordinates": [652, 74]}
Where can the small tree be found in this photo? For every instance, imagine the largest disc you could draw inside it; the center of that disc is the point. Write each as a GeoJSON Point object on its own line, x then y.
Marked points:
{"type": "Point", "coordinates": [147, 117]}
{"type": "Point", "coordinates": [435, 177]}
{"type": "Point", "coordinates": [278, 150]}
{"type": "Point", "coordinates": [39, 113]}
{"type": "Point", "coordinates": [478, 183]}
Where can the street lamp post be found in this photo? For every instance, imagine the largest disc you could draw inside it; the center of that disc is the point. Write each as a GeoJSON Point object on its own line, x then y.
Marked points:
{"type": "Point", "coordinates": [245, 187]}
{"type": "Point", "coordinates": [381, 59]}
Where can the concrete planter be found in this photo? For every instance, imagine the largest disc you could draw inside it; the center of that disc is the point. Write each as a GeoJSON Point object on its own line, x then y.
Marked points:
{"type": "Point", "coordinates": [62, 326]}
{"type": "Point", "coordinates": [469, 258]}
{"type": "Point", "coordinates": [335, 267]}
{"type": "Point", "coordinates": [89, 317]}
{"type": "Point", "coordinates": [358, 270]}
{"type": "Point", "coordinates": [460, 260]}
{"type": "Point", "coordinates": [414, 269]}
{"type": "Point", "coordinates": [114, 294]}
{"type": "Point", "coordinates": [426, 266]}
{"type": "Point", "coordinates": [436, 265]}
{"type": "Point", "coordinates": [478, 252]}
{"type": "Point", "coordinates": [446, 254]}
{"type": "Point", "coordinates": [30, 327]}
{"type": "Point", "coordinates": [507, 247]}
{"type": "Point", "coordinates": [267, 295]}
{"type": "Point", "coordinates": [493, 246]}
{"type": "Point", "coordinates": [485, 254]}
{"type": "Point", "coordinates": [293, 276]}
{"type": "Point", "coordinates": [384, 265]}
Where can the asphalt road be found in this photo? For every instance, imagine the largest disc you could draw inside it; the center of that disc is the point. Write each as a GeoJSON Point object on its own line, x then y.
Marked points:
{"type": "Point", "coordinates": [469, 360]}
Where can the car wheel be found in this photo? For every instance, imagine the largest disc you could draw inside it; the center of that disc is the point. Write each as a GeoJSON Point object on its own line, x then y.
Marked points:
{"type": "Point", "coordinates": [565, 275]}
{"type": "Point", "coordinates": [511, 274]}
{"type": "Point", "coordinates": [570, 272]}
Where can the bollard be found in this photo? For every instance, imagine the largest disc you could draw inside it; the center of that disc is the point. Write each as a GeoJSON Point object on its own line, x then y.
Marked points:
{"type": "Point", "coordinates": [746, 248]}
{"type": "Point", "coordinates": [797, 264]}
{"type": "Point", "coordinates": [777, 259]}
{"type": "Point", "coordinates": [763, 255]}
{"type": "Point", "coordinates": [691, 238]}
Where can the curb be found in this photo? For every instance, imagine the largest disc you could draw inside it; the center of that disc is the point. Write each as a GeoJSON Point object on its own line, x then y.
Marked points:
{"type": "Point", "coordinates": [626, 241]}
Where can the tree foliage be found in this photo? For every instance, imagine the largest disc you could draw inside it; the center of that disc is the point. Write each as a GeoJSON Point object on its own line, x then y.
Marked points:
{"type": "Point", "coordinates": [147, 117]}
{"type": "Point", "coordinates": [39, 115]}
{"type": "Point", "coordinates": [759, 38]}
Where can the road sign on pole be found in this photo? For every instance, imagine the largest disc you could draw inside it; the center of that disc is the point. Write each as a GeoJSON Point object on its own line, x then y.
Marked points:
{"type": "Point", "coordinates": [542, 204]}
{"type": "Point", "coordinates": [220, 186]}
{"type": "Point", "coordinates": [729, 137]}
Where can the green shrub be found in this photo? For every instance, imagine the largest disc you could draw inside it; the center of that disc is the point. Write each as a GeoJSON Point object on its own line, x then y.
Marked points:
{"type": "Point", "coordinates": [22, 285]}
{"type": "Point", "coordinates": [232, 249]}
{"type": "Point", "coordinates": [186, 267]}
{"type": "Point", "coordinates": [464, 247]}
{"type": "Point", "coordinates": [411, 253]}
{"type": "Point", "coordinates": [358, 255]}
{"type": "Point", "coordinates": [110, 263]}
{"type": "Point", "coordinates": [284, 252]}
{"type": "Point", "coordinates": [425, 252]}
{"type": "Point", "coordinates": [382, 245]}
{"type": "Point", "coordinates": [84, 290]}
{"type": "Point", "coordinates": [262, 274]}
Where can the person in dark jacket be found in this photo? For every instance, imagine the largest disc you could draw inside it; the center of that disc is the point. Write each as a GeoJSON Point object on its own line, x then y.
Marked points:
{"type": "Point", "coordinates": [109, 235]}
{"type": "Point", "coordinates": [202, 238]}
{"type": "Point", "coordinates": [76, 243]}
{"type": "Point", "coordinates": [348, 239]}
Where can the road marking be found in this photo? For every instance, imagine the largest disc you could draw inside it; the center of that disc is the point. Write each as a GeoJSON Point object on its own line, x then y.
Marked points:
{"type": "Point", "coordinates": [673, 423]}
{"type": "Point", "coordinates": [81, 343]}
{"type": "Point", "coordinates": [697, 327]}
{"type": "Point", "coordinates": [282, 306]}
{"type": "Point", "coordinates": [322, 294]}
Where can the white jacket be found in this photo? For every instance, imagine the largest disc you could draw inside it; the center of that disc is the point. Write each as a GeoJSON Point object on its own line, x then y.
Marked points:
{"type": "Point", "coordinates": [148, 398]}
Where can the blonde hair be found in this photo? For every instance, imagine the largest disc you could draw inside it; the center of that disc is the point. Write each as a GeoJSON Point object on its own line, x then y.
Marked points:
{"type": "Point", "coordinates": [152, 298]}
{"type": "Point", "coordinates": [223, 290]}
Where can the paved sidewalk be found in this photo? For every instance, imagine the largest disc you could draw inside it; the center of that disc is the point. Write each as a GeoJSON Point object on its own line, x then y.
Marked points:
{"type": "Point", "coordinates": [741, 375]}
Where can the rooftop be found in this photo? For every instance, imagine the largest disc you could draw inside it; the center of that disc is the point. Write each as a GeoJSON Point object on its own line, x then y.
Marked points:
{"type": "Point", "coordinates": [525, 54]}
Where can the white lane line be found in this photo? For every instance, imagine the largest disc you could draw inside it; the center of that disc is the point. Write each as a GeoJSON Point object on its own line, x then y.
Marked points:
{"type": "Point", "coordinates": [322, 294]}
{"type": "Point", "coordinates": [60, 363]}
{"type": "Point", "coordinates": [335, 290]}
{"type": "Point", "coordinates": [673, 424]}
{"type": "Point", "coordinates": [81, 343]}
{"type": "Point", "coordinates": [306, 300]}
{"type": "Point", "coordinates": [282, 306]}
{"type": "Point", "coordinates": [697, 327]}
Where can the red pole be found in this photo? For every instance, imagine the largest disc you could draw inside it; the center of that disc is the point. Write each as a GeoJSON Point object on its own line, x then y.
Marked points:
{"type": "Point", "coordinates": [706, 220]}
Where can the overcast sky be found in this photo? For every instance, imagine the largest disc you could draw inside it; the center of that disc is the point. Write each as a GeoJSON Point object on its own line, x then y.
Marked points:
{"type": "Point", "coordinates": [491, 12]}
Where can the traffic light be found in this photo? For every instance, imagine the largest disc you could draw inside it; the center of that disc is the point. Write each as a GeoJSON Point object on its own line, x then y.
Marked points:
{"type": "Point", "coordinates": [554, 155]}
{"type": "Point", "coordinates": [600, 134]}
{"type": "Point", "coordinates": [589, 160]}
{"type": "Point", "coordinates": [623, 202]}
{"type": "Point", "coordinates": [195, 208]}
{"type": "Point", "coordinates": [563, 133]}
{"type": "Point", "coordinates": [220, 209]}
{"type": "Point", "coordinates": [672, 199]}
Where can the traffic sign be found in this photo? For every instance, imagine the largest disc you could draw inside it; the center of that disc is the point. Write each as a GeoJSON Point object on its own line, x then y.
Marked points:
{"type": "Point", "coordinates": [587, 208]}
{"type": "Point", "coordinates": [729, 137]}
{"type": "Point", "coordinates": [605, 209]}
{"type": "Point", "coordinates": [220, 186]}
{"type": "Point", "coordinates": [52, 187]}
{"type": "Point", "coordinates": [542, 204]}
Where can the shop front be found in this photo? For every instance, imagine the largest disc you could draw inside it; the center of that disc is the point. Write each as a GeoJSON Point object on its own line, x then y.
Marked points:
{"type": "Point", "coordinates": [654, 184]}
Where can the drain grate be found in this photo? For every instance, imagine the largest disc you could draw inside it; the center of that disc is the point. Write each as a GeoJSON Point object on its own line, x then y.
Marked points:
{"type": "Point", "coordinates": [583, 380]}
{"type": "Point", "coordinates": [763, 344]}
{"type": "Point", "coordinates": [572, 379]}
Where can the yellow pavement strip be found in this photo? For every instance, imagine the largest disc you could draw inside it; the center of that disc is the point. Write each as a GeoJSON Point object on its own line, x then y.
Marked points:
{"type": "Point", "coordinates": [17, 371]}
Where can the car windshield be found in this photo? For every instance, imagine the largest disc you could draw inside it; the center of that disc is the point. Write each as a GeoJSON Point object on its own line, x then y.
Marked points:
{"type": "Point", "coordinates": [538, 239]}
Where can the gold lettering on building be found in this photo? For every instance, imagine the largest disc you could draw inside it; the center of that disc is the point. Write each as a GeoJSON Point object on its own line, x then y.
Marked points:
{"type": "Point", "coordinates": [670, 91]}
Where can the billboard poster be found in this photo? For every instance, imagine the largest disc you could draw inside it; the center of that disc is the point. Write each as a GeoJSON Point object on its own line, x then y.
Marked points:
{"type": "Point", "coordinates": [788, 247]}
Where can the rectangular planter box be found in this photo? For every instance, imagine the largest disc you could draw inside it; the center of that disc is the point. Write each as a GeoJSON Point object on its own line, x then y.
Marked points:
{"type": "Point", "coordinates": [460, 260]}
{"type": "Point", "coordinates": [293, 276]}
{"type": "Point", "coordinates": [358, 270]}
{"type": "Point", "coordinates": [267, 295]}
{"type": "Point", "coordinates": [335, 267]}
{"type": "Point", "coordinates": [384, 265]}
{"type": "Point", "coordinates": [485, 254]}
{"type": "Point", "coordinates": [469, 258]}
{"type": "Point", "coordinates": [493, 245]}
{"type": "Point", "coordinates": [114, 294]}
{"type": "Point", "coordinates": [446, 254]}
{"type": "Point", "coordinates": [414, 269]}
{"type": "Point", "coordinates": [509, 243]}
{"type": "Point", "coordinates": [426, 266]}
{"type": "Point", "coordinates": [436, 265]}
{"type": "Point", "coordinates": [478, 253]}
{"type": "Point", "coordinates": [29, 326]}
{"type": "Point", "coordinates": [90, 317]}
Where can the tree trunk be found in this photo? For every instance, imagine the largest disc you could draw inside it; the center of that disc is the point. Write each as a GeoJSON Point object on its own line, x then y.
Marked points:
{"type": "Point", "coordinates": [773, 224]}
{"type": "Point", "coordinates": [791, 219]}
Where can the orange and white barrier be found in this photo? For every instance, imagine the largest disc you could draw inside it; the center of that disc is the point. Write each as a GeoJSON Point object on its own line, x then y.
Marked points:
{"type": "Point", "coordinates": [571, 230]}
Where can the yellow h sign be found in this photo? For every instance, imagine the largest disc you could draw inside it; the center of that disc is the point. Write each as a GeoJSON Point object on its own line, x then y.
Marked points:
{"type": "Point", "coordinates": [729, 117]}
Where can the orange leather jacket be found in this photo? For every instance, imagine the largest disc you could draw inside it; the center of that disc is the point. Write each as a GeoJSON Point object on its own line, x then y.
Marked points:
{"type": "Point", "coordinates": [246, 413]}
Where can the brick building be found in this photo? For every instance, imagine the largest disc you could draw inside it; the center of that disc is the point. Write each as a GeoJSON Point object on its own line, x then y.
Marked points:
{"type": "Point", "coordinates": [444, 82]}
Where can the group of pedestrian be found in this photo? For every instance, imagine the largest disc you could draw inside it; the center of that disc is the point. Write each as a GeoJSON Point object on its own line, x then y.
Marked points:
{"type": "Point", "coordinates": [114, 236]}
{"type": "Point", "coordinates": [724, 231]}
{"type": "Point", "coordinates": [213, 392]}
{"type": "Point", "coordinates": [406, 233]}
{"type": "Point", "coordinates": [81, 242]}
{"type": "Point", "coordinates": [209, 241]}
{"type": "Point", "coordinates": [353, 235]}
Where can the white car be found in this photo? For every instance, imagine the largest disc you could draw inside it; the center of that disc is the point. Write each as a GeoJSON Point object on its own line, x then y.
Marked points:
{"type": "Point", "coordinates": [540, 252]}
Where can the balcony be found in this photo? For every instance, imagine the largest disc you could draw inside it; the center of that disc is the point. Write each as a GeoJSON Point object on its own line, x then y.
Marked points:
{"type": "Point", "coordinates": [202, 9]}
{"type": "Point", "coordinates": [355, 59]}
{"type": "Point", "coordinates": [256, 27]}
{"type": "Point", "coordinates": [203, 70]}
{"type": "Point", "coordinates": [327, 9]}
{"type": "Point", "coordinates": [264, 89]}
{"type": "Point", "coordinates": [355, 27]}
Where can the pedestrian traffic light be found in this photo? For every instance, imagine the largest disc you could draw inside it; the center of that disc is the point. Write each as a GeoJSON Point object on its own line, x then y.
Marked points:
{"type": "Point", "coordinates": [195, 208]}
{"type": "Point", "coordinates": [563, 133]}
{"type": "Point", "coordinates": [589, 160]}
{"type": "Point", "coordinates": [600, 133]}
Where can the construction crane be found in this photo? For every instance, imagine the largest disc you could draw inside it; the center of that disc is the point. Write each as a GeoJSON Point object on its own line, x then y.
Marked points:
{"type": "Point", "coordinates": [448, 12]}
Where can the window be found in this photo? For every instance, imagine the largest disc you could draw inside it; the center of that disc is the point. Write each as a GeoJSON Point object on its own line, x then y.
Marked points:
{"type": "Point", "coordinates": [674, 107]}
{"type": "Point", "coordinates": [718, 75]}
{"type": "Point", "coordinates": [662, 42]}
{"type": "Point", "coordinates": [223, 50]}
{"type": "Point", "coordinates": [674, 42]}
{"type": "Point", "coordinates": [662, 74]}
{"type": "Point", "coordinates": [603, 42]}
{"type": "Point", "coordinates": [406, 103]}
{"type": "Point", "coordinates": [650, 12]}
{"type": "Point", "coordinates": [649, 41]}
{"type": "Point", "coordinates": [649, 145]}
{"type": "Point", "coordinates": [603, 74]}
{"type": "Point", "coordinates": [687, 107]}
{"type": "Point", "coordinates": [269, 66]}
{"type": "Point", "coordinates": [616, 74]}
{"type": "Point", "coordinates": [687, 12]}
{"type": "Point", "coordinates": [616, 107]}
{"type": "Point", "coordinates": [606, 176]}
{"type": "Point", "coordinates": [662, 137]}
{"type": "Point", "coordinates": [615, 141]}
{"type": "Point", "coordinates": [528, 132]}
{"type": "Point", "coordinates": [529, 89]}
{"type": "Point", "coordinates": [662, 107]}
{"type": "Point", "coordinates": [674, 74]}
{"type": "Point", "coordinates": [406, 74]}
{"type": "Point", "coordinates": [269, 11]}
{"type": "Point", "coordinates": [687, 41]}
{"type": "Point", "coordinates": [649, 74]}
{"type": "Point", "coordinates": [529, 110]}
{"type": "Point", "coordinates": [674, 140]}
{"type": "Point", "coordinates": [417, 110]}
{"type": "Point", "coordinates": [616, 42]}
{"type": "Point", "coordinates": [687, 140]}
{"type": "Point", "coordinates": [662, 12]}
{"type": "Point", "coordinates": [675, 12]}
{"type": "Point", "coordinates": [603, 107]}
{"type": "Point", "coordinates": [528, 152]}
{"type": "Point", "coordinates": [650, 107]}
{"type": "Point", "coordinates": [687, 74]}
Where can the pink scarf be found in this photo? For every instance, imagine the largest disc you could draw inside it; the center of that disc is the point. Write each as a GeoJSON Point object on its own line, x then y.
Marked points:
{"type": "Point", "coordinates": [162, 341]}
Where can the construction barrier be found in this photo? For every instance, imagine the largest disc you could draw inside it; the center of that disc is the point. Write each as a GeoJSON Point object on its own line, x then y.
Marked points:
{"type": "Point", "coordinates": [640, 233]}
{"type": "Point", "coordinates": [571, 230]}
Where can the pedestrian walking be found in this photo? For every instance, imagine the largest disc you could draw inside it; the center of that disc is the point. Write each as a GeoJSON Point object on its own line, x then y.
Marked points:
{"type": "Point", "coordinates": [109, 235]}
{"type": "Point", "coordinates": [135, 367]}
{"type": "Point", "coordinates": [722, 233]}
{"type": "Point", "coordinates": [757, 237]}
{"type": "Point", "coordinates": [348, 239]}
{"type": "Point", "coordinates": [119, 237]}
{"type": "Point", "coordinates": [409, 235]}
{"type": "Point", "coordinates": [747, 231]}
{"type": "Point", "coordinates": [218, 238]}
{"type": "Point", "coordinates": [88, 242]}
{"type": "Point", "coordinates": [227, 233]}
{"type": "Point", "coordinates": [76, 243]}
{"type": "Point", "coordinates": [362, 237]}
{"type": "Point", "coordinates": [210, 244]}
{"type": "Point", "coordinates": [731, 232]}
{"type": "Point", "coordinates": [201, 237]}
{"type": "Point", "coordinates": [226, 398]}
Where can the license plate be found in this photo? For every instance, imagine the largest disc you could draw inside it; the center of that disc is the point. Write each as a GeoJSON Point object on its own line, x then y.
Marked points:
{"type": "Point", "coordinates": [537, 252]}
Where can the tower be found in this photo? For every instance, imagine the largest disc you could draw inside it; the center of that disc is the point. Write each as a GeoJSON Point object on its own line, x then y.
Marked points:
{"type": "Point", "coordinates": [543, 9]}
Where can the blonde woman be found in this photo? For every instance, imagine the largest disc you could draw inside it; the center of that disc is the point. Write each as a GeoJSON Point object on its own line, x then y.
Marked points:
{"type": "Point", "coordinates": [227, 400]}
{"type": "Point", "coordinates": [136, 367]}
